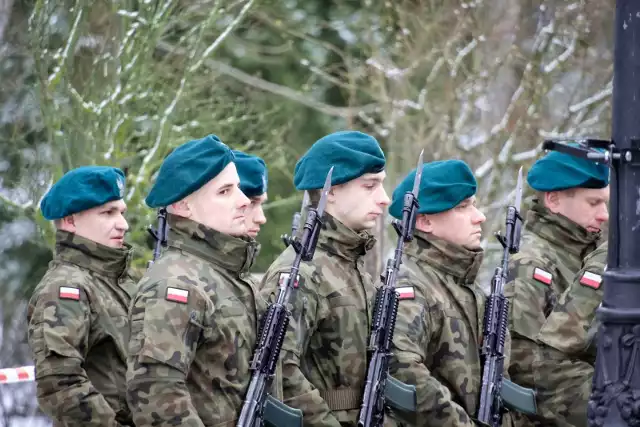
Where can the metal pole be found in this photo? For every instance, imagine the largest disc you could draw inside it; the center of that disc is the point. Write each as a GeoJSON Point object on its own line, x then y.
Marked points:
{"type": "Point", "coordinates": [615, 398]}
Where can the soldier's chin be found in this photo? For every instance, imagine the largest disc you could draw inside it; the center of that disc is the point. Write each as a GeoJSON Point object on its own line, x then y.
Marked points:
{"type": "Point", "coordinates": [474, 245]}
{"type": "Point", "coordinates": [367, 225]}
{"type": "Point", "coordinates": [115, 243]}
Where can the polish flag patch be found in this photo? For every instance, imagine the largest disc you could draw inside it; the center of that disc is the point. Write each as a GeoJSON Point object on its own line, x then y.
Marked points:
{"type": "Point", "coordinates": [406, 292]}
{"type": "Point", "coordinates": [177, 295]}
{"type": "Point", "coordinates": [542, 276]}
{"type": "Point", "coordinates": [591, 280]}
{"type": "Point", "coordinates": [282, 280]}
{"type": "Point", "coordinates": [67, 292]}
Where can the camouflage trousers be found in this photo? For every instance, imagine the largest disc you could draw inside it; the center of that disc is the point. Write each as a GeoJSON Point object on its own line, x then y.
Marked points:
{"type": "Point", "coordinates": [563, 385]}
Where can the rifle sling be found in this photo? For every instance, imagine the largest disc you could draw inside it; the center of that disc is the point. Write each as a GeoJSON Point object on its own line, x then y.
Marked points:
{"type": "Point", "coordinates": [342, 399]}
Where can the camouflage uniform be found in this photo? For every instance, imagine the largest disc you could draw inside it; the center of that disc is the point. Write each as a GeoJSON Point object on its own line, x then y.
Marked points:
{"type": "Point", "coordinates": [566, 361]}
{"type": "Point", "coordinates": [193, 330]}
{"type": "Point", "coordinates": [324, 354]}
{"type": "Point", "coordinates": [552, 251]}
{"type": "Point", "coordinates": [78, 332]}
{"type": "Point", "coordinates": [438, 330]}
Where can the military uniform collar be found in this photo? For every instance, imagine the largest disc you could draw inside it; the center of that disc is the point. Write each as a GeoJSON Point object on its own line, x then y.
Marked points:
{"type": "Point", "coordinates": [560, 230]}
{"type": "Point", "coordinates": [235, 254]}
{"type": "Point", "coordinates": [338, 239]}
{"type": "Point", "coordinates": [455, 260]}
{"type": "Point", "coordinates": [93, 256]}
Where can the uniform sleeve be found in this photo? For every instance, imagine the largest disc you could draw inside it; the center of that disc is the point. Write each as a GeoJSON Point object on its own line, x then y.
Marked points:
{"type": "Point", "coordinates": [567, 326]}
{"type": "Point", "coordinates": [435, 405]}
{"type": "Point", "coordinates": [60, 320]}
{"type": "Point", "coordinates": [530, 297]}
{"type": "Point", "coordinates": [166, 321]}
{"type": "Point", "coordinates": [297, 390]}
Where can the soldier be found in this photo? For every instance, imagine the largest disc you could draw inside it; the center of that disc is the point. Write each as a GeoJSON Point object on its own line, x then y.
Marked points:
{"type": "Point", "coordinates": [567, 345]}
{"type": "Point", "coordinates": [193, 321]}
{"type": "Point", "coordinates": [253, 183]}
{"type": "Point", "coordinates": [78, 327]}
{"type": "Point", "coordinates": [561, 229]}
{"type": "Point", "coordinates": [439, 325]}
{"type": "Point", "coordinates": [324, 353]}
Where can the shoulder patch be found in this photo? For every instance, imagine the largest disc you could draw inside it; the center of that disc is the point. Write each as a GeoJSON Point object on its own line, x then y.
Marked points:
{"type": "Point", "coordinates": [406, 292]}
{"type": "Point", "coordinates": [68, 292]}
{"type": "Point", "coordinates": [284, 277]}
{"type": "Point", "coordinates": [591, 280]}
{"type": "Point", "coordinates": [542, 276]}
{"type": "Point", "coordinates": [177, 295]}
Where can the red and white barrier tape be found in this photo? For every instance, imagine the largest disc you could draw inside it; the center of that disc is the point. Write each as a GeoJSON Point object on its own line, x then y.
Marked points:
{"type": "Point", "coordinates": [17, 375]}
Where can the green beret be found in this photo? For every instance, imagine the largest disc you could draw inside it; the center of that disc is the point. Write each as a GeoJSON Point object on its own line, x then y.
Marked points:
{"type": "Point", "coordinates": [444, 184]}
{"type": "Point", "coordinates": [351, 153]}
{"type": "Point", "coordinates": [187, 169]}
{"type": "Point", "coordinates": [559, 171]}
{"type": "Point", "coordinates": [253, 174]}
{"type": "Point", "coordinates": [82, 188]}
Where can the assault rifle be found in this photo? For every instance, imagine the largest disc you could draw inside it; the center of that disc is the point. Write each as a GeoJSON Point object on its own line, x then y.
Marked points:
{"type": "Point", "coordinates": [259, 407]}
{"type": "Point", "coordinates": [495, 390]}
{"type": "Point", "coordinates": [159, 234]}
{"type": "Point", "coordinates": [379, 386]}
{"type": "Point", "coordinates": [295, 224]}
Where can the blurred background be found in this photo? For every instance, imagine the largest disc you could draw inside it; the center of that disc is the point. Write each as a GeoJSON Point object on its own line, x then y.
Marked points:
{"type": "Point", "coordinates": [123, 82]}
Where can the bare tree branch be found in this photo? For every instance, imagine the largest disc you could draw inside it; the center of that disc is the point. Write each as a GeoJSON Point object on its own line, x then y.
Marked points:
{"type": "Point", "coordinates": [273, 88]}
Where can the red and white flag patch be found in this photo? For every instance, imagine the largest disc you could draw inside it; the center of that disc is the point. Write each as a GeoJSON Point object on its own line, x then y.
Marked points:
{"type": "Point", "coordinates": [177, 295]}
{"type": "Point", "coordinates": [406, 292]}
{"type": "Point", "coordinates": [542, 276]}
{"type": "Point", "coordinates": [282, 280]}
{"type": "Point", "coordinates": [68, 292]}
{"type": "Point", "coordinates": [591, 280]}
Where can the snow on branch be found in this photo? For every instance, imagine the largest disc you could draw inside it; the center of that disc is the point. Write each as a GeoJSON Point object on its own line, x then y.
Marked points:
{"type": "Point", "coordinates": [218, 41]}
{"type": "Point", "coordinates": [564, 55]}
{"type": "Point", "coordinates": [461, 55]}
{"type": "Point", "coordinates": [390, 70]}
{"type": "Point", "coordinates": [54, 78]}
{"type": "Point", "coordinates": [599, 96]}
{"type": "Point", "coordinates": [484, 168]}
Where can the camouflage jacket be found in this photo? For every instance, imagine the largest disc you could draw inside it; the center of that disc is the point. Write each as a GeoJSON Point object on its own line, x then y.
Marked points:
{"type": "Point", "coordinates": [324, 353]}
{"type": "Point", "coordinates": [552, 251]}
{"type": "Point", "coordinates": [564, 365]}
{"type": "Point", "coordinates": [193, 330]}
{"type": "Point", "coordinates": [78, 332]}
{"type": "Point", "coordinates": [438, 330]}
{"type": "Point", "coordinates": [571, 326]}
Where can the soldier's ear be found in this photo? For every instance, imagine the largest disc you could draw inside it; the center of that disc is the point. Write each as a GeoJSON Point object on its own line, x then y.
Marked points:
{"type": "Point", "coordinates": [424, 223]}
{"type": "Point", "coordinates": [552, 201]}
{"type": "Point", "coordinates": [331, 195]}
{"type": "Point", "coordinates": [181, 208]}
{"type": "Point", "coordinates": [68, 223]}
